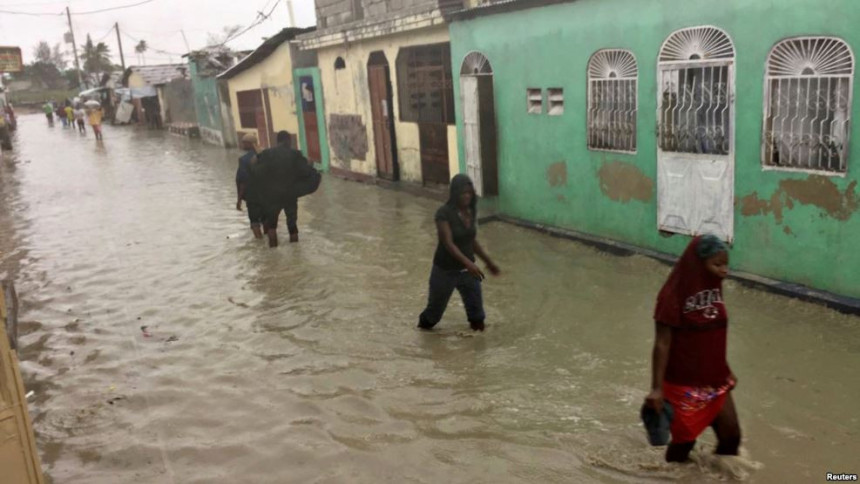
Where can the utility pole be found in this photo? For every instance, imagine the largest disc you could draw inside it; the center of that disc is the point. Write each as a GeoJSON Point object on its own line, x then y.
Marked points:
{"type": "Point", "coordinates": [75, 49]}
{"type": "Point", "coordinates": [119, 41]}
{"type": "Point", "coordinates": [290, 10]}
{"type": "Point", "coordinates": [187, 47]}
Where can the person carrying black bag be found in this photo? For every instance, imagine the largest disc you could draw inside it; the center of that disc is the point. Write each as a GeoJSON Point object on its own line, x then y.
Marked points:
{"type": "Point", "coordinates": [283, 175]}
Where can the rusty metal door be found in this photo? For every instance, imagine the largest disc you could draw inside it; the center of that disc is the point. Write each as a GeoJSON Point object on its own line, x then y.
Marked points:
{"type": "Point", "coordinates": [434, 153]}
{"type": "Point", "coordinates": [380, 100]}
{"type": "Point", "coordinates": [309, 117]}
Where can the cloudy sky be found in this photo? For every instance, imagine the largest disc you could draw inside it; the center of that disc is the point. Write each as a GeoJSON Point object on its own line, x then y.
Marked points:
{"type": "Point", "coordinates": [159, 22]}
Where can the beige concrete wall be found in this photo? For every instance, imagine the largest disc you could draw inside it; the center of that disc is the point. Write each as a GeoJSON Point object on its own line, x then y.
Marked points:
{"type": "Point", "coordinates": [135, 80]}
{"type": "Point", "coordinates": [347, 92]}
{"type": "Point", "coordinates": [275, 75]}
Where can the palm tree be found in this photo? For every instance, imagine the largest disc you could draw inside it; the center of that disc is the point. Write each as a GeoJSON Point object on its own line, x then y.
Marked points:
{"type": "Point", "coordinates": [141, 49]}
{"type": "Point", "coordinates": [96, 59]}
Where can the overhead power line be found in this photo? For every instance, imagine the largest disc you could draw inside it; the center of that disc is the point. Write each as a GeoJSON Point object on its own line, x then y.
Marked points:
{"type": "Point", "coordinates": [91, 12]}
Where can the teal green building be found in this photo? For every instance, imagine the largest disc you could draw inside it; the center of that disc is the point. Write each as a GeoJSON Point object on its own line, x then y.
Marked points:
{"type": "Point", "coordinates": [650, 122]}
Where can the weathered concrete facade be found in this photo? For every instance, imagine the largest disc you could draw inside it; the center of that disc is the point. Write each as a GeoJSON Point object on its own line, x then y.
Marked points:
{"type": "Point", "coordinates": [214, 114]}
{"type": "Point", "coordinates": [794, 225]}
{"type": "Point", "coordinates": [353, 37]}
{"type": "Point", "coordinates": [348, 108]}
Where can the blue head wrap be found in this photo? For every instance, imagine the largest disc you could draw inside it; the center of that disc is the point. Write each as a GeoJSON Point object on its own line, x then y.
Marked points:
{"type": "Point", "coordinates": [709, 246]}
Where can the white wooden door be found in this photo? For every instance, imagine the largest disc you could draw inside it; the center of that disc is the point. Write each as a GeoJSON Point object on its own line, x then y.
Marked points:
{"type": "Point", "coordinates": [695, 157]}
{"type": "Point", "coordinates": [472, 131]}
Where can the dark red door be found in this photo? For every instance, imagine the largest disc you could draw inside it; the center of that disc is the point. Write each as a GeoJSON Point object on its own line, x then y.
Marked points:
{"type": "Point", "coordinates": [381, 111]}
{"type": "Point", "coordinates": [434, 153]}
{"type": "Point", "coordinates": [309, 115]}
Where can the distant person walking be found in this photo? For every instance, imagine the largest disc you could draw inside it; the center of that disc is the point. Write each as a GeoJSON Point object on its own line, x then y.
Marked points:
{"type": "Point", "coordinates": [60, 111]}
{"type": "Point", "coordinates": [689, 367]}
{"type": "Point", "coordinates": [454, 262]}
{"type": "Point", "coordinates": [70, 114]}
{"type": "Point", "coordinates": [48, 109]}
{"type": "Point", "coordinates": [81, 119]}
{"type": "Point", "coordinates": [95, 118]}
{"type": "Point", "coordinates": [243, 189]}
{"type": "Point", "coordinates": [277, 180]}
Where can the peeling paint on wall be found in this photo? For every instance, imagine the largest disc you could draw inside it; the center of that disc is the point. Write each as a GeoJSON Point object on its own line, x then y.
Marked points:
{"type": "Point", "coordinates": [623, 182]}
{"type": "Point", "coordinates": [556, 174]}
{"type": "Point", "coordinates": [817, 190]}
{"type": "Point", "coordinates": [348, 136]}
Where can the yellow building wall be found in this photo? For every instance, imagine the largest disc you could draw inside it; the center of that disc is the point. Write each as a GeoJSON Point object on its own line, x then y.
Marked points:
{"type": "Point", "coordinates": [275, 75]}
{"type": "Point", "coordinates": [135, 80]}
{"type": "Point", "coordinates": [347, 91]}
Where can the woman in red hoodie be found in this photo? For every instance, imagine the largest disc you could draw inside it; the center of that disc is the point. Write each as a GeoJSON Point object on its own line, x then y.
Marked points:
{"type": "Point", "coordinates": [689, 368]}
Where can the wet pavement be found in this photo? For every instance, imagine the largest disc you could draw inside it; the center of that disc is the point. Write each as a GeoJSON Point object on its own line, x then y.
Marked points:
{"type": "Point", "coordinates": [302, 364]}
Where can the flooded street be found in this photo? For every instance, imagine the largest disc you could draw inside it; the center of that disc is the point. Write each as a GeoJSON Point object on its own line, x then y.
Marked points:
{"type": "Point", "coordinates": [303, 364]}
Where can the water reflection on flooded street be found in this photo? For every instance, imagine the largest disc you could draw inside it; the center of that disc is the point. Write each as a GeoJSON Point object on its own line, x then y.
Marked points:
{"type": "Point", "coordinates": [302, 364]}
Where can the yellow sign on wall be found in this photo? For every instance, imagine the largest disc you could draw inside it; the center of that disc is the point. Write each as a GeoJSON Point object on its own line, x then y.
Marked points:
{"type": "Point", "coordinates": [11, 59]}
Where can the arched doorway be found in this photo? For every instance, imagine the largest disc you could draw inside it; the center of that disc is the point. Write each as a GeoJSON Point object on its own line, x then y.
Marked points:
{"type": "Point", "coordinates": [382, 109]}
{"type": "Point", "coordinates": [479, 123]}
{"type": "Point", "coordinates": [696, 145]}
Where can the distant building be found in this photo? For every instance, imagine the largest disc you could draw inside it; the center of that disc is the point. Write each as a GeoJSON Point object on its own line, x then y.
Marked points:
{"type": "Point", "coordinates": [161, 94]}
{"type": "Point", "coordinates": [261, 89]}
{"type": "Point", "coordinates": [211, 96]}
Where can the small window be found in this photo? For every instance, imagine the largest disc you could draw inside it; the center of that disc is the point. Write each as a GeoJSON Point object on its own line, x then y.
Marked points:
{"type": "Point", "coordinates": [807, 105]}
{"type": "Point", "coordinates": [555, 101]}
{"type": "Point", "coordinates": [612, 100]}
{"type": "Point", "coordinates": [534, 96]}
{"type": "Point", "coordinates": [339, 64]}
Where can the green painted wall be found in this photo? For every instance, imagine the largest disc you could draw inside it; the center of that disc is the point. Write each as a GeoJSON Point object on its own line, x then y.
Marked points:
{"type": "Point", "coordinates": [313, 72]}
{"type": "Point", "coordinates": [206, 99]}
{"type": "Point", "coordinates": [813, 242]}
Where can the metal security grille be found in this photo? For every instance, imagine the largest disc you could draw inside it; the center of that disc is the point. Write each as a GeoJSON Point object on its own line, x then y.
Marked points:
{"type": "Point", "coordinates": [696, 92]}
{"type": "Point", "coordinates": [695, 110]}
{"type": "Point", "coordinates": [612, 101]}
{"type": "Point", "coordinates": [807, 114]}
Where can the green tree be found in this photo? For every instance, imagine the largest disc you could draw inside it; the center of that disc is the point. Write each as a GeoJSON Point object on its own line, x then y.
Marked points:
{"type": "Point", "coordinates": [45, 54]}
{"type": "Point", "coordinates": [141, 49]}
{"type": "Point", "coordinates": [96, 59]}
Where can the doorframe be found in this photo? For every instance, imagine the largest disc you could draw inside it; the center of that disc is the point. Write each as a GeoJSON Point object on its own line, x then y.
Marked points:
{"type": "Point", "coordinates": [731, 64]}
{"type": "Point", "coordinates": [314, 73]}
{"type": "Point", "coordinates": [461, 96]}
{"type": "Point", "coordinates": [392, 129]}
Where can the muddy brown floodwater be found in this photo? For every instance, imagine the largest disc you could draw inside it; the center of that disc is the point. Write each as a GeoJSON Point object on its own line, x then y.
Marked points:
{"type": "Point", "coordinates": [302, 364]}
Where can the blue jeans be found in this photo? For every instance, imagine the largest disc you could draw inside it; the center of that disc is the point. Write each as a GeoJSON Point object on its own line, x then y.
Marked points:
{"type": "Point", "coordinates": [442, 285]}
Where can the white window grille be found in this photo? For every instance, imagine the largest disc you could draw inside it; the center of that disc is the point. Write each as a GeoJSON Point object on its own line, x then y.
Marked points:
{"type": "Point", "coordinates": [807, 112]}
{"type": "Point", "coordinates": [534, 97]}
{"type": "Point", "coordinates": [476, 64]}
{"type": "Point", "coordinates": [612, 100]}
{"type": "Point", "coordinates": [695, 85]}
{"type": "Point", "coordinates": [555, 101]}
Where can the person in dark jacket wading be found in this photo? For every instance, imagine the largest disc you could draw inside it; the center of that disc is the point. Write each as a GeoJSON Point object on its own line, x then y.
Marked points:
{"type": "Point", "coordinates": [454, 262]}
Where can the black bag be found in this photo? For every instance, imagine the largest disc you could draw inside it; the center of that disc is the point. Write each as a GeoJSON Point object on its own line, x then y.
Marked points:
{"type": "Point", "coordinates": [309, 183]}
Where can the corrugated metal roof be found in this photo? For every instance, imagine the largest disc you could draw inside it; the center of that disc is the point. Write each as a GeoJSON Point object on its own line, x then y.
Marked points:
{"type": "Point", "coordinates": [492, 7]}
{"type": "Point", "coordinates": [263, 51]}
{"type": "Point", "coordinates": [158, 74]}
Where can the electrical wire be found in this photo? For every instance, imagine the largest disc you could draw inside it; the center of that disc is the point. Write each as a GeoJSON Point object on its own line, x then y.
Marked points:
{"type": "Point", "coordinates": [91, 12]}
{"type": "Point", "coordinates": [261, 17]}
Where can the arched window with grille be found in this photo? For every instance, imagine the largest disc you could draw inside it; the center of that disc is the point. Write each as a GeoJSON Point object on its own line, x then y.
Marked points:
{"type": "Point", "coordinates": [807, 105]}
{"type": "Point", "coordinates": [612, 100]}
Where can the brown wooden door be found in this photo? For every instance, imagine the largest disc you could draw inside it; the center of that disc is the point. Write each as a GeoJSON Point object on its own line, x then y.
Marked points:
{"type": "Point", "coordinates": [382, 120]}
{"type": "Point", "coordinates": [309, 115]}
{"type": "Point", "coordinates": [434, 153]}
